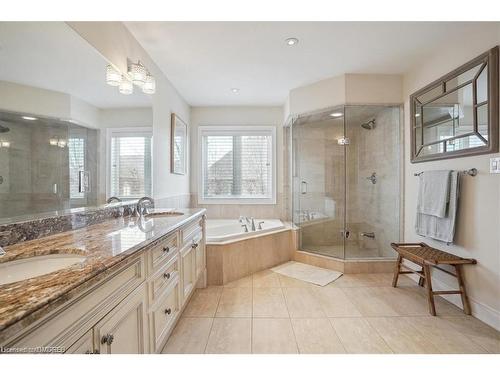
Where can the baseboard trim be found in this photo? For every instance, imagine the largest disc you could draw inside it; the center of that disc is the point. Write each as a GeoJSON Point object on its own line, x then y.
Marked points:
{"type": "Point", "coordinates": [484, 313]}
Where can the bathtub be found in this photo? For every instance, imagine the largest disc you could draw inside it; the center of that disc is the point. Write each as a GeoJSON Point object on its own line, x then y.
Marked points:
{"type": "Point", "coordinates": [224, 230]}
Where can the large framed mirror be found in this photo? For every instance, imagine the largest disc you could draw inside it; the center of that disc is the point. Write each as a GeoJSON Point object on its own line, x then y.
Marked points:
{"type": "Point", "coordinates": [457, 115]}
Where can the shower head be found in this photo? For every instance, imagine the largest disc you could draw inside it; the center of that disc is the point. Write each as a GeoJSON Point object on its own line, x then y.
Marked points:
{"type": "Point", "coordinates": [3, 128]}
{"type": "Point", "coordinates": [368, 125]}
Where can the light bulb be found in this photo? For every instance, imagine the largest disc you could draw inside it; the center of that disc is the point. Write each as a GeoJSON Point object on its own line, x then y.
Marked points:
{"type": "Point", "coordinates": [149, 86]}
{"type": "Point", "coordinates": [113, 76]}
{"type": "Point", "coordinates": [126, 87]}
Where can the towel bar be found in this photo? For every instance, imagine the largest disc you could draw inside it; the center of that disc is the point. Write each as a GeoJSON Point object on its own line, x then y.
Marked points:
{"type": "Point", "coordinates": [469, 172]}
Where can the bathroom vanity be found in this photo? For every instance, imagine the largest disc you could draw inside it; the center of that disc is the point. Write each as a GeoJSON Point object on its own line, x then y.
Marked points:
{"type": "Point", "coordinates": [127, 295]}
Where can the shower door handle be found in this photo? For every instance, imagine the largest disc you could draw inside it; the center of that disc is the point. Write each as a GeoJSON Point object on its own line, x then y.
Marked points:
{"type": "Point", "coordinates": [303, 187]}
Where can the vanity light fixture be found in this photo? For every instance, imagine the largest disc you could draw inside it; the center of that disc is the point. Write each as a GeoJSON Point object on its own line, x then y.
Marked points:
{"type": "Point", "coordinates": [113, 76]}
{"type": "Point", "coordinates": [291, 41]}
{"type": "Point", "coordinates": [126, 87]}
{"type": "Point", "coordinates": [53, 141]}
{"type": "Point", "coordinates": [137, 73]}
{"type": "Point", "coordinates": [29, 118]}
{"type": "Point", "coordinates": [235, 90]}
{"type": "Point", "coordinates": [336, 114]}
{"type": "Point", "coordinates": [149, 86]}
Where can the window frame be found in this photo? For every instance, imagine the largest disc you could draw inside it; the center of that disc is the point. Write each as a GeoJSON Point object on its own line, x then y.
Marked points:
{"type": "Point", "coordinates": [132, 131]}
{"type": "Point", "coordinates": [232, 130]}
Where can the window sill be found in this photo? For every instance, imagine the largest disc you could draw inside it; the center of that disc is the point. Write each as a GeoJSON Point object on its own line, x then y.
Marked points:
{"type": "Point", "coordinates": [247, 201]}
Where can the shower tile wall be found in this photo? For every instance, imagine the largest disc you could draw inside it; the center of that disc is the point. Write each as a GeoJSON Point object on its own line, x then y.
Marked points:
{"type": "Point", "coordinates": [372, 207]}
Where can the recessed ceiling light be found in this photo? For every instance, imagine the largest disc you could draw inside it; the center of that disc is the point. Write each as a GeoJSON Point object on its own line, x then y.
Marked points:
{"type": "Point", "coordinates": [235, 90]}
{"type": "Point", "coordinates": [29, 118]}
{"type": "Point", "coordinates": [336, 114]}
{"type": "Point", "coordinates": [291, 41]}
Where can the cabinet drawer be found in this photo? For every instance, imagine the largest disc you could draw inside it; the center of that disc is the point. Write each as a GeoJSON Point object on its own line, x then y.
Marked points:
{"type": "Point", "coordinates": [164, 315]}
{"type": "Point", "coordinates": [167, 275]}
{"type": "Point", "coordinates": [191, 230]}
{"type": "Point", "coordinates": [162, 252]}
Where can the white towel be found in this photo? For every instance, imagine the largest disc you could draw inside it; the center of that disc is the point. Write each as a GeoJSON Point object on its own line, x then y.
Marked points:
{"type": "Point", "coordinates": [434, 193]}
{"type": "Point", "coordinates": [442, 229]}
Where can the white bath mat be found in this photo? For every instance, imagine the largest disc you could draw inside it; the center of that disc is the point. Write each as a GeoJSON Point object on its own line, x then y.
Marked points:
{"type": "Point", "coordinates": [308, 273]}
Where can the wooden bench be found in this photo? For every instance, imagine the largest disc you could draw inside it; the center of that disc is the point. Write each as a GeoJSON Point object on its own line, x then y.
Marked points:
{"type": "Point", "coordinates": [427, 257]}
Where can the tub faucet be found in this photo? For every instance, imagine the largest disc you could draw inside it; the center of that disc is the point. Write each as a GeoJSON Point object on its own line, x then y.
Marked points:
{"type": "Point", "coordinates": [260, 225]}
{"type": "Point", "coordinates": [143, 204]}
{"type": "Point", "coordinates": [252, 220]}
{"type": "Point", "coordinates": [245, 226]}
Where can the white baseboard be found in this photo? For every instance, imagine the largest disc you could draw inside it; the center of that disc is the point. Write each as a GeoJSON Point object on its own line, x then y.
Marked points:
{"type": "Point", "coordinates": [485, 313]}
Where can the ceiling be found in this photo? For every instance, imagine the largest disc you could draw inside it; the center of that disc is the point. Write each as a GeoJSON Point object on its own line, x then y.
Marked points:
{"type": "Point", "coordinates": [204, 60]}
{"type": "Point", "coordinates": [52, 56]}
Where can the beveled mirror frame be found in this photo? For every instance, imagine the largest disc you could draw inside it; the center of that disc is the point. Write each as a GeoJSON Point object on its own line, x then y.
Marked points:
{"type": "Point", "coordinates": [491, 58]}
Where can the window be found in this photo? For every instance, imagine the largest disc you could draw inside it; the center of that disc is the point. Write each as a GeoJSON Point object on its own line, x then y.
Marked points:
{"type": "Point", "coordinates": [129, 162]}
{"type": "Point", "coordinates": [76, 151]}
{"type": "Point", "coordinates": [237, 164]}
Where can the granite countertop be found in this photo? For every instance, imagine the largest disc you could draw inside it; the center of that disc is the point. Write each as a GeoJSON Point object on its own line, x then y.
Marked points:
{"type": "Point", "coordinates": [104, 245]}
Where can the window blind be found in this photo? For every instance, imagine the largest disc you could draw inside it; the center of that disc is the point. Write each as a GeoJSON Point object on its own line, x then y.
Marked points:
{"type": "Point", "coordinates": [237, 165]}
{"type": "Point", "coordinates": [130, 165]}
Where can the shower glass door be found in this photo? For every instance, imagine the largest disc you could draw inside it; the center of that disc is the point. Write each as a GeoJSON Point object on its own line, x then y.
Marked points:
{"type": "Point", "coordinates": [318, 178]}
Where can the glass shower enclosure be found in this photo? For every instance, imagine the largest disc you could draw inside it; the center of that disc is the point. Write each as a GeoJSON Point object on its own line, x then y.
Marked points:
{"type": "Point", "coordinates": [345, 179]}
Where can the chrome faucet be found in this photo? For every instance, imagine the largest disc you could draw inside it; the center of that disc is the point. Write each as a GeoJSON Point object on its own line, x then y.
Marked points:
{"type": "Point", "coordinates": [245, 226]}
{"type": "Point", "coordinates": [252, 221]}
{"type": "Point", "coordinates": [143, 205]}
{"type": "Point", "coordinates": [367, 234]}
{"type": "Point", "coordinates": [113, 199]}
{"type": "Point", "coordinates": [260, 224]}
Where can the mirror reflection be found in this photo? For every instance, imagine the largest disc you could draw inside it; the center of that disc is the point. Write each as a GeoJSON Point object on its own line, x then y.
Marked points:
{"type": "Point", "coordinates": [58, 118]}
{"type": "Point", "coordinates": [451, 116]}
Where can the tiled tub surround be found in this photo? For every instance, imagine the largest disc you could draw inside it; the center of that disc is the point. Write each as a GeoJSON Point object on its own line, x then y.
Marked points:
{"type": "Point", "coordinates": [231, 260]}
{"type": "Point", "coordinates": [106, 245]}
{"type": "Point", "coordinates": [29, 227]}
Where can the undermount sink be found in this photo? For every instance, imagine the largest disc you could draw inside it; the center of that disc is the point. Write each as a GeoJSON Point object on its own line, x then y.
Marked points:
{"type": "Point", "coordinates": [27, 268]}
{"type": "Point", "coordinates": [163, 214]}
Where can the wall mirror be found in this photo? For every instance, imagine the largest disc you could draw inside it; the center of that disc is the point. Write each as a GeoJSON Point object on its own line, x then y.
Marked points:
{"type": "Point", "coordinates": [457, 115]}
{"type": "Point", "coordinates": [55, 106]}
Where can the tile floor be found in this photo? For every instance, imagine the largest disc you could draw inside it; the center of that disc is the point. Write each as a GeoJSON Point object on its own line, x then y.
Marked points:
{"type": "Point", "coordinates": [358, 313]}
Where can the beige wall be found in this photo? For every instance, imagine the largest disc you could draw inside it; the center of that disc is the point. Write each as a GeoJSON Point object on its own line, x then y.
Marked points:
{"type": "Point", "coordinates": [238, 116]}
{"type": "Point", "coordinates": [116, 44]}
{"type": "Point", "coordinates": [478, 227]}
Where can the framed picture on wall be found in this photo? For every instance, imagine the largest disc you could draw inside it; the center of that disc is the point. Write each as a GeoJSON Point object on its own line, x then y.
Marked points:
{"type": "Point", "coordinates": [178, 147]}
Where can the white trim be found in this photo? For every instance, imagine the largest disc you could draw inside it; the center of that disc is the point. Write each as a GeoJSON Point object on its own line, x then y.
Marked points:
{"type": "Point", "coordinates": [133, 131]}
{"type": "Point", "coordinates": [231, 130]}
{"type": "Point", "coordinates": [485, 313]}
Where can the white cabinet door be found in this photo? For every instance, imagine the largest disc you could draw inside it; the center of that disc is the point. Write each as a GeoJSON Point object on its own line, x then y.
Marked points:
{"type": "Point", "coordinates": [124, 329]}
{"type": "Point", "coordinates": [188, 267]}
{"type": "Point", "coordinates": [200, 258]}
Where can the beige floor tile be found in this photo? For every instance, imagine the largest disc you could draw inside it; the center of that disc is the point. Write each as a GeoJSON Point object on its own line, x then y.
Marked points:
{"type": "Point", "coordinates": [358, 336]}
{"type": "Point", "coordinates": [235, 303]}
{"type": "Point", "coordinates": [370, 301]}
{"type": "Point", "coordinates": [316, 336]}
{"type": "Point", "coordinates": [265, 279]}
{"type": "Point", "coordinates": [269, 303]}
{"type": "Point", "coordinates": [290, 282]}
{"type": "Point", "coordinates": [273, 336]}
{"type": "Point", "coordinates": [244, 282]}
{"type": "Point", "coordinates": [442, 334]}
{"type": "Point", "coordinates": [203, 303]}
{"type": "Point", "coordinates": [401, 336]}
{"type": "Point", "coordinates": [302, 303]}
{"type": "Point", "coordinates": [335, 303]}
{"type": "Point", "coordinates": [190, 336]}
{"type": "Point", "coordinates": [482, 334]}
{"type": "Point", "coordinates": [404, 300]}
{"type": "Point", "coordinates": [230, 336]}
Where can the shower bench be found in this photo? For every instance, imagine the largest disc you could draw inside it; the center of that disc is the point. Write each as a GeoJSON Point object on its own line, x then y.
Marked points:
{"type": "Point", "coordinates": [427, 257]}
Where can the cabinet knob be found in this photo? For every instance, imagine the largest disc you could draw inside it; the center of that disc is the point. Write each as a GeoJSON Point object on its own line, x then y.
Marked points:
{"type": "Point", "coordinates": [168, 311]}
{"type": "Point", "coordinates": [166, 249]}
{"type": "Point", "coordinates": [107, 339]}
{"type": "Point", "coordinates": [194, 245]}
{"type": "Point", "coordinates": [166, 275]}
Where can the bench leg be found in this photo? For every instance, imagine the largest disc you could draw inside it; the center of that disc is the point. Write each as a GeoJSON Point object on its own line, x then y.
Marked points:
{"type": "Point", "coordinates": [461, 286]}
{"type": "Point", "coordinates": [421, 279]}
{"type": "Point", "coordinates": [428, 284]}
{"type": "Point", "coordinates": [396, 271]}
